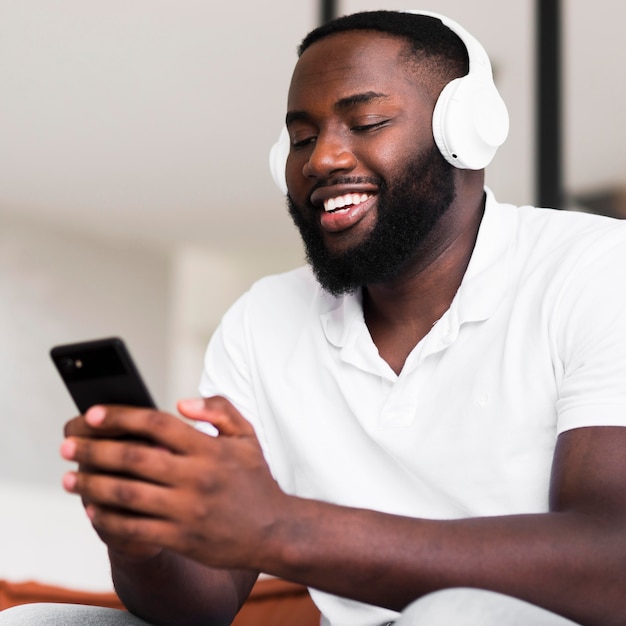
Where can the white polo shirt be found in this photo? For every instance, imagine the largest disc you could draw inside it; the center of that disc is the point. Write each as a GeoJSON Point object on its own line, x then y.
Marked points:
{"type": "Point", "coordinates": [533, 344]}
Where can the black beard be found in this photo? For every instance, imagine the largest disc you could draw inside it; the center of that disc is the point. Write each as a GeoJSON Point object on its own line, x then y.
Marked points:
{"type": "Point", "coordinates": [408, 210]}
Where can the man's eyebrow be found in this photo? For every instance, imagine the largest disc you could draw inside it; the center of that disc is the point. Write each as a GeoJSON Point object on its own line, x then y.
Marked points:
{"type": "Point", "coordinates": [344, 103]}
{"type": "Point", "coordinates": [294, 116]}
{"type": "Point", "coordinates": [360, 98]}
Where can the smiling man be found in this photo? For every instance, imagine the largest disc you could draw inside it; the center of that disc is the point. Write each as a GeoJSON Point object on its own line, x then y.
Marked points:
{"type": "Point", "coordinates": [426, 424]}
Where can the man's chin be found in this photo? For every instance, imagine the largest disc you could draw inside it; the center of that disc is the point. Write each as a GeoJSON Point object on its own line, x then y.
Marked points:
{"type": "Point", "coordinates": [334, 276]}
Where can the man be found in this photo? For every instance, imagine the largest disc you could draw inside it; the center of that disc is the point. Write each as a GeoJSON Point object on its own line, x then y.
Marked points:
{"type": "Point", "coordinates": [439, 406]}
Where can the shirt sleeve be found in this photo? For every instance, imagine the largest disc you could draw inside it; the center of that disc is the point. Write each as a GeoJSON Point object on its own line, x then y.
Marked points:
{"type": "Point", "coordinates": [228, 370]}
{"type": "Point", "coordinates": [591, 340]}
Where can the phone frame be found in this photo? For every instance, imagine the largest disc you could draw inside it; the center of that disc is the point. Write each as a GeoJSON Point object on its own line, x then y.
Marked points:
{"type": "Point", "coordinates": [101, 371]}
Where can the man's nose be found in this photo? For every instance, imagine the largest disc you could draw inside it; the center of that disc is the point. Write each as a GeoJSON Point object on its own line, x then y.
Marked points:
{"type": "Point", "coordinates": [330, 154]}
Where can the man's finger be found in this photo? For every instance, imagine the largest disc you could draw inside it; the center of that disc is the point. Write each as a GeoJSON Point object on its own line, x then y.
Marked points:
{"type": "Point", "coordinates": [219, 412]}
{"type": "Point", "coordinates": [146, 424]}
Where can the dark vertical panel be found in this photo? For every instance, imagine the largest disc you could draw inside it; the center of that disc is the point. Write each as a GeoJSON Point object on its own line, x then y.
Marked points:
{"type": "Point", "coordinates": [549, 182]}
{"type": "Point", "coordinates": [328, 10]}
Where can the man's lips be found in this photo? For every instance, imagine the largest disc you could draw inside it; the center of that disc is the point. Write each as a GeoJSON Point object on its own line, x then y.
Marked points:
{"type": "Point", "coordinates": [343, 205]}
{"type": "Point", "coordinates": [343, 212]}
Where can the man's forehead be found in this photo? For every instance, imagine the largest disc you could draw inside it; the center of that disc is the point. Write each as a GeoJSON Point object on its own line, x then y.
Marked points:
{"type": "Point", "coordinates": [360, 61]}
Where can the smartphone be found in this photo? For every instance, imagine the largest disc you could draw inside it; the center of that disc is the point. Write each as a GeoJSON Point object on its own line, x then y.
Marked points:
{"type": "Point", "coordinates": [101, 372]}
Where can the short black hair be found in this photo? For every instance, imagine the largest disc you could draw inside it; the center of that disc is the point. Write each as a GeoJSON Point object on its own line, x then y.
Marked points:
{"type": "Point", "coordinates": [427, 37]}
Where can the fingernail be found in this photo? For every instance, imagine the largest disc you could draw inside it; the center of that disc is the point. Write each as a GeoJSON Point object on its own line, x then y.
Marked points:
{"type": "Point", "coordinates": [69, 481]}
{"type": "Point", "coordinates": [95, 415]}
{"type": "Point", "coordinates": [68, 449]}
{"type": "Point", "coordinates": [192, 404]}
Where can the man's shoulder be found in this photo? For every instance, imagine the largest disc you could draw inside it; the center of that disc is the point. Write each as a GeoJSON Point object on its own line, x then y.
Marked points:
{"type": "Point", "coordinates": [286, 294]}
{"type": "Point", "coordinates": [548, 246]}
{"type": "Point", "coordinates": [570, 233]}
{"type": "Point", "coordinates": [570, 218]}
{"type": "Point", "coordinates": [565, 222]}
{"type": "Point", "coordinates": [538, 231]}
{"type": "Point", "coordinates": [292, 284]}
{"type": "Point", "coordinates": [278, 308]}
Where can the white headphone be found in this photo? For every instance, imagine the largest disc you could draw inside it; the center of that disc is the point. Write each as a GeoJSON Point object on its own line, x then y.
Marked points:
{"type": "Point", "coordinates": [470, 119]}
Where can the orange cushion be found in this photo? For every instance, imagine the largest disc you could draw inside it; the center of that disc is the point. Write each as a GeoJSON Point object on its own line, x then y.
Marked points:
{"type": "Point", "coordinates": [272, 602]}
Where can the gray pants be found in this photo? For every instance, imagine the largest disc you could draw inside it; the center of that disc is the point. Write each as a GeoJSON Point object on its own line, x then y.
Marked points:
{"type": "Point", "coordinates": [475, 607]}
{"type": "Point", "coordinates": [451, 607]}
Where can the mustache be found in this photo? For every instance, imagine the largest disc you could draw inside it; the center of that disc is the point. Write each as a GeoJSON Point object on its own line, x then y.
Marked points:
{"type": "Point", "coordinates": [348, 180]}
{"type": "Point", "coordinates": [339, 180]}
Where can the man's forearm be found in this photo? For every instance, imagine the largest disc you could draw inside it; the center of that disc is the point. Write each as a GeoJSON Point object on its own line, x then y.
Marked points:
{"type": "Point", "coordinates": [169, 589]}
{"type": "Point", "coordinates": [566, 562]}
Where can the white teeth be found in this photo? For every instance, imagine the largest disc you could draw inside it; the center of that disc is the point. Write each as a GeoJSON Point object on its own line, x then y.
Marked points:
{"type": "Point", "coordinates": [348, 199]}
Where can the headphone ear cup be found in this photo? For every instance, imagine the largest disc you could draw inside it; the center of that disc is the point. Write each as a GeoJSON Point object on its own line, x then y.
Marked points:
{"type": "Point", "coordinates": [470, 122]}
{"type": "Point", "coordinates": [278, 160]}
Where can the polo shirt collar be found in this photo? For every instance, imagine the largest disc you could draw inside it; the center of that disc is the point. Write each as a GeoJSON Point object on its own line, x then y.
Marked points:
{"type": "Point", "coordinates": [487, 275]}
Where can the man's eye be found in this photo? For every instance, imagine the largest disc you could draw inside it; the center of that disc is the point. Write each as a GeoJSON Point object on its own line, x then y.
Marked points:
{"type": "Point", "coordinates": [363, 128]}
{"type": "Point", "coordinates": [296, 144]}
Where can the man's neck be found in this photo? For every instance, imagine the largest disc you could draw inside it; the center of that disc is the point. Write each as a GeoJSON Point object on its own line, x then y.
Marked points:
{"type": "Point", "coordinates": [401, 312]}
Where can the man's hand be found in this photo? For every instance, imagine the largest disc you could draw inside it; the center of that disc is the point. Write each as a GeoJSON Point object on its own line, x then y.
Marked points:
{"type": "Point", "coordinates": [151, 481]}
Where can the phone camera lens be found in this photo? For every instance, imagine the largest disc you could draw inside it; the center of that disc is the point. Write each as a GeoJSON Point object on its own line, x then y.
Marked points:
{"type": "Point", "coordinates": [67, 364]}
